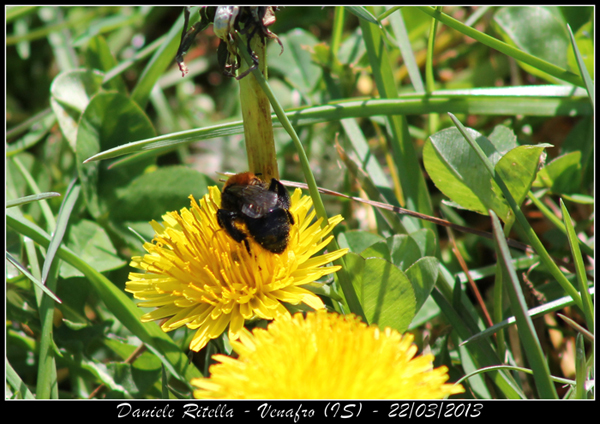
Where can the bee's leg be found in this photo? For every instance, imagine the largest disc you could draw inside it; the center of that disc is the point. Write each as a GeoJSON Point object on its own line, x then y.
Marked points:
{"type": "Point", "coordinates": [282, 193]}
{"type": "Point", "coordinates": [226, 221]}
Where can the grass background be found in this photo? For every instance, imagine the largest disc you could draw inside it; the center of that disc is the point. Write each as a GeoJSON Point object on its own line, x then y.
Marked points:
{"type": "Point", "coordinates": [391, 86]}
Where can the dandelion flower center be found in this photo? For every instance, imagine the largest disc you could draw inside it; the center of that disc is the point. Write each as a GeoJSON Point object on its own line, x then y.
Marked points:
{"type": "Point", "coordinates": [324, 356]}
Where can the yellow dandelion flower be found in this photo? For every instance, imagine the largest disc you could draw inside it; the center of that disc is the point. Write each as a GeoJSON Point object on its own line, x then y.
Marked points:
{"type": "Point", "coordinates": [324, 356]}
{"type": "Point", "coordinates": [196, 275]}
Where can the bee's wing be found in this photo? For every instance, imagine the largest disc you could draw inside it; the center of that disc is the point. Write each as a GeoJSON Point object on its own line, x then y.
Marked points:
{"type": "Point", "coordinates": [257, 201]}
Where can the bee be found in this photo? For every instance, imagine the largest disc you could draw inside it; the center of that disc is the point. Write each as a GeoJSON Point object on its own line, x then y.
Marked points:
{"type": "Point", "coordinates": [263, 208]}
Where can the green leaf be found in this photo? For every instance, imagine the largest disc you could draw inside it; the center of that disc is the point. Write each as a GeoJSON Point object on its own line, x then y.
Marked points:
{"type": "Point", "coordinates": [404, 250]}
{"type": "Point", "coordinates": [425, 239]}
{"type": "Point", "coordinates": [518, 169]}
{"type": "Point", "coordinates": [152, 194]}
{"type": "Point", "coordinates": [423, 275]}
{"type": "Point", "coordinates": [295, 65]}
{"type": "Point", "coordinates": [537, 30]}
{"type": "Point", "coordinates": [70, 94]}
{"type": "Point", "coordinates": [111, 119]}
{"type": "Point", "coordinates": [385, 292]}
{"type": "Point", "coordinates": [562, 174]}
{"type": "Point", "coordinates": [377, 250]}
{"type": "Point", "coordinates": [91, 243]}
{"type": "Point", "coordinates": [98, 56]}
{"type": "Point", "coordinates": [458, 172]}
{"type": "Point", "coordinates": [524, 225]}
{"type": "Point", "coordinates": [357, 241]}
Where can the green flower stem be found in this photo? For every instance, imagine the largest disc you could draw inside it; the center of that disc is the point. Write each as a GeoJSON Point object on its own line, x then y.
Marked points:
{"type": "Point", "coordinates": [346, 284]}
{"type": "Point", "coordinates": [502, 47]}
{"type": "Point", "coordinates": [310, 179]}
{"type": "Point", "coordinates": [256, 113]}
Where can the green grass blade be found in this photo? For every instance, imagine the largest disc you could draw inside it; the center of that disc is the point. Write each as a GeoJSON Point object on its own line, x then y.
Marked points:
{"type": "Point", "coordinates": [13, 380]}
{"type": "Point", "coordinates": [361, 148]}
{"type": "Point", "coordinates": [46, 211]}
{"type": "Point", "coordinates": [37, 129]}
{"type": "Point", "coordinates": [533, 239]}
{"type": "Point", "coordinates": [47, 377]}
{"type": "Point", "coordinates": [587, 79]}
{"type": "Point", "coordinates": [361, 12]}
{"type": "Point", "coordinates": [580, 369]}
{"type": "Point", "coordinates": [536, 312]}
{"type": "Point", "coordinates": [61, 41]}
{"type": "Point", "coordinates": [502, 47]}
{"type": "Point", "coordinates": [46, 383]}
{"type": "Point", "coordinates": [28, 199]}
{"type": "Point", "coordinates": [588, 250]}
{"type": "Point", "coordinates": [161, 59]}
{"type": "Point", "coordinates": [164, 386]}
{"type": "Point", "coordinates": [477, 14]}
{"type": "Point", "coordinates": [574, 325]}
{"type": "Point", "coordinates": [513, 368]}
{"type": "Point", "coordinates": [30, 123]}
{"type": "Point", "coordinates": [123, 66]}
{"type": "Point", "coordinates": [120, 305]}
{"type": "Point", "coordinates": [414, 189]}
{"type": "Point", "coordinates": [16, 12]}
{"type": "Point", "coordinates": [548, 100]}
{"type": "Point", "coordinates": [588, 307]}
{"type": "Point", "coordinates": [482, 353]}
{"type": "Point", "coordinates": [338, 29]}
{"type": "Point", "coordinates": [33, 279]}
{"type": "Point", "coordinates": [528, 336]}
{"type": "Point", "coordinates": [429, 79]}
{"type": "Point", "coordinates": [61, 226]}
{"type": "Point", "coordinates": [401, 34]}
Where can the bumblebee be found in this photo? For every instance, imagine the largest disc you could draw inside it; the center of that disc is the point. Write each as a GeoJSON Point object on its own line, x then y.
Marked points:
{"type": "Point", "coordinates": [263, 208]}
